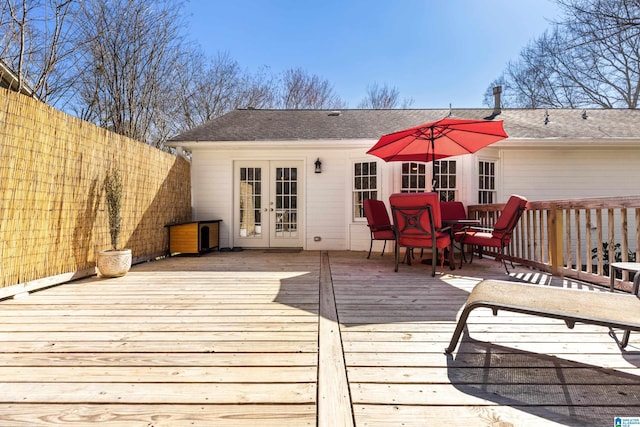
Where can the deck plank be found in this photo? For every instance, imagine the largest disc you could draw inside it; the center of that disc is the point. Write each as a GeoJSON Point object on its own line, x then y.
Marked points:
{"type": "Point", "coordinates": [518, 370]}
{"type": "Point", "coordinates": [294, 339]}
{"type": "Point", "coordinates": [160, 415]}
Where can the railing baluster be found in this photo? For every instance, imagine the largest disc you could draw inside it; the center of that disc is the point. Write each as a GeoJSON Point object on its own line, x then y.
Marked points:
{"type": "Point", "coordinates": [568, 252]}
{"type": "Point", "coordinates": [578, 240]}
{"type": "Point", "coordinates": [589, 228]}
{"type": "Point", "coordinates": [547, 224]}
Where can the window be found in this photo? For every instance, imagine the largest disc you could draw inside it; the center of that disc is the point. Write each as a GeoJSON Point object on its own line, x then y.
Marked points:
{"type": "Point", "coordinates": [447, 182]}
{"type": "Point", "coordinates": [487, 182]}
{"type": "Point", "coordinates": [365, 186]}
{"type": "Point", "coordinates": [414, 178]}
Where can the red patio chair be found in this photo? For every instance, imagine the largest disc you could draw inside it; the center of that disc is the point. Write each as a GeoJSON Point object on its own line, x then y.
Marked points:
{"type": "Point", "coordinates": [418, 225]}
{"type": "Point", "coordinates": [497, 237]}
{"type": "Point", "coordinates": [379, 223]}
{"type": "Point", "coordinates": [453, 211]}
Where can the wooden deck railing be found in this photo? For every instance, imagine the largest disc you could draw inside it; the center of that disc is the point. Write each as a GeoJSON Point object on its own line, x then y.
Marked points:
{"type": "Point", "coordinates": [576, 238]}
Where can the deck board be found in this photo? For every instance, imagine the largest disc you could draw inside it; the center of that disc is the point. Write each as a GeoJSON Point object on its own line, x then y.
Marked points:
{"type": "Point", "coordinates": [239, 339]}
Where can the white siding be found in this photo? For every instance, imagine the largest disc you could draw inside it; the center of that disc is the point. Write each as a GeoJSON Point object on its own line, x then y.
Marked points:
{"type": "Point", "coordinates": [325, 202]}
{"type": "Point", "coordinates": [212, 190]}
{"type": "Point", "coordinates": [327, 195]}
{"type": "Point", "coordinates": [564, 174]}
{"type": "Point", "coordinates": [538, 174]}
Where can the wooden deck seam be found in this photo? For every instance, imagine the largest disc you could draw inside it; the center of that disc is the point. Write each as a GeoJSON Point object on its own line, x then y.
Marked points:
{"type": "Point", "coordinates": [334, 404]}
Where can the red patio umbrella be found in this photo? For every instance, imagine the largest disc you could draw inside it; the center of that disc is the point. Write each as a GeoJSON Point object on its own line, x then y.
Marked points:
{"type": "Point", "coordinates": [437, 140]}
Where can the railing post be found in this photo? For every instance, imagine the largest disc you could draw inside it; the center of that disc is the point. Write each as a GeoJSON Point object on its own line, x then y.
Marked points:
{"type": "Point", "coordinates": [555, 229]}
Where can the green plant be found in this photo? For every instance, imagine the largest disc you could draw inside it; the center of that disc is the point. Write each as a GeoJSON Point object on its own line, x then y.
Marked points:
{"type": "Point", "coordinates": [617, 253]}
{"type": "Point", "coordinates": [113, 192]}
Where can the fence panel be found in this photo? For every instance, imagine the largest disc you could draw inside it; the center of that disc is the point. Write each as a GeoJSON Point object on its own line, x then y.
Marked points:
{"type": "Point", "coordinates": [53, 217]}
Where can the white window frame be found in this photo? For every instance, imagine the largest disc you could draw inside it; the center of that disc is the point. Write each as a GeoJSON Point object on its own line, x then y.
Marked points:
{"type": "Point", "coordinates": [445, 191]}
{"type": "Point", "coordinates": [369, 187]}
{"type": "Point", "coordinates": [487, 179]}
{"type": "Point", "coordinates": [414, 175]}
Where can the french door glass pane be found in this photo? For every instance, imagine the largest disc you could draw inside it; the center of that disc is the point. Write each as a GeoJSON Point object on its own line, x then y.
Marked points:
{"type": "Point", "coordinates": [286, 198]}
{"type": "Point", "coordinates": [250, 202]}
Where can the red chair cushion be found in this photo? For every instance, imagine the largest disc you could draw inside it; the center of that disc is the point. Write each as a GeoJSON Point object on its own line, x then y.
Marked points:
{"type": "Point", "coordinates": [378, 219]}
{"type": "Point", "coordinates": [419, 199]}
{"type": "Point", "coordinates": [453, 211]}
{"type": "Point", "coordinates": [414, 236]}
{"type": "Point", "coordinates": [480, 238]}
{"type": "Point", "coordinates": [507, 220]}
{"type": "Point", "coordinates": [443, 240]}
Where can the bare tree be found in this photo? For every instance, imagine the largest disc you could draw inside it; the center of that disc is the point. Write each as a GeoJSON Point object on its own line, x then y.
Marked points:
{"type": "Point", "coordinates": [590, 59]}
{"type": "Point", "coordinates": [301, 90]}
{"type": "Point", "coordinates": [123, 65]}
{"type": "Point", "coordinates": [127, 77]}
{"type": "Point", "coordinates": [211, 88]}
{"type": "Point", "coordinates": [384, 97]}
{"type": "Point", "coordinates": [600, 51]}
{"type": "Point", "coordinates": [37, 42]}
{"type": "Point", "coordinates": [257, 90]}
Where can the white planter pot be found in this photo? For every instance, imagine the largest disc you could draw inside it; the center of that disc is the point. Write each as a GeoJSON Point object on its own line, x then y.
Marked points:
{"type": "Point", "coordinates": [114, 263]}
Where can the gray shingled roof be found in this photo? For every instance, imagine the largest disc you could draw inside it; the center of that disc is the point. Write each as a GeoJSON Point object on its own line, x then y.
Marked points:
{"type": "Point", "coordinates": [251, 124]}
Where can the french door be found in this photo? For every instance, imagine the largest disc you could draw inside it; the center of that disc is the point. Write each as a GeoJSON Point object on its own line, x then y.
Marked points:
{"type": "Point", "coordinates": [268, 204]}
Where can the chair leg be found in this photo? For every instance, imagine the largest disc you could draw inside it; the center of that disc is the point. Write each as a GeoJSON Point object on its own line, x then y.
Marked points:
{"type": "Point", "coordinates": [397, 251]}
{"type": "Point", "coordinates": [451, 261]}
{"type": "Point", "coordinates": [384, 246]}
{"type": "Point", "coordinates": [434, 261]}
{"type": "Point", "coordinates": [504, 261]}
{"type": "Point", "coordinates": [370, 246]}
{"type": "Point", "coordinates": [463, 257]}
{"type": "Point", "coordinates": [510, 257]}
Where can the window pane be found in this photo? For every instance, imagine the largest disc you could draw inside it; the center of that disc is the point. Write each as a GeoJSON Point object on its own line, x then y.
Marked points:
{"type": "Point", "coordinates": [487, 182]}
{"type": "Point", "coordinates": [446, 180]}
{"type": "Point", "coordinates": [364, 186]}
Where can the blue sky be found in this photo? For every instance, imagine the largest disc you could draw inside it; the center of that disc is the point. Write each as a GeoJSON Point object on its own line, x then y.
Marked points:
{"type": "Point", "coordinates": [437, 52]}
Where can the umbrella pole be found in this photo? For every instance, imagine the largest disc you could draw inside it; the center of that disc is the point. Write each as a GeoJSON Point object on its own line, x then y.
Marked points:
{"type": "Point", "coordinates": [434, 181]}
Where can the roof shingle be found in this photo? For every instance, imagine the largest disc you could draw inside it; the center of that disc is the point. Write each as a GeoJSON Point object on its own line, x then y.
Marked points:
{"type": "Point", "coordinates": [276, 125]}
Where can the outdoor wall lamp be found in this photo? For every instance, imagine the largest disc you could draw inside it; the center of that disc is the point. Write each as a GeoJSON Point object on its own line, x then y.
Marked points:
{"type": "Point", "coordinates": [318, 164]}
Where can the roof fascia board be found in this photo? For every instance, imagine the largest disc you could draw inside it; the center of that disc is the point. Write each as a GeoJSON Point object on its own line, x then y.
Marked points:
{"type": "Point", "coordinates": [288, 144]}
{"type": "Point", "coordinates": [561, 143]}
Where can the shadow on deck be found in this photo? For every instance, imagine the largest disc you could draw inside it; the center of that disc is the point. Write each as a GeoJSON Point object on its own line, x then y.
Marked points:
{"type": "Point", "coordinates": [236, 339]}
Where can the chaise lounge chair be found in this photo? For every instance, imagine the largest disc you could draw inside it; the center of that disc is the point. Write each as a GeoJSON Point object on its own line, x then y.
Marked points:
{"type": "Point", "coordinates": [613, 310]}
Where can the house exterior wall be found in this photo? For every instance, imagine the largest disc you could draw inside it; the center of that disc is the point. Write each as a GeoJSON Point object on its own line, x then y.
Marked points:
{"type": "Point", "coordinates": [537, 173]}
{"type": "Point", "coordinates": [569, 173]}
{"type": "Point", "coordinates": [327, 195]}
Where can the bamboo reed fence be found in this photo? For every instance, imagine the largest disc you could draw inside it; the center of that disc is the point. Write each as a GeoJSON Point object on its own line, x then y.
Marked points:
{"type": "Point", "coordinates": [53, 218]}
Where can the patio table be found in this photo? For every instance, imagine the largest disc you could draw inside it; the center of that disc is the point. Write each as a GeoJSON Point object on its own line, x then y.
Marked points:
{"type": "Point", "coordinates": [454, 226]}
{"type": "Point", "coordinates": [624, 266]}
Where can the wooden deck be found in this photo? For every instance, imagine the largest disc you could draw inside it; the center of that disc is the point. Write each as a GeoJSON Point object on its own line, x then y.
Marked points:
{"type": "Point", "coordinates": [259, 338]}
